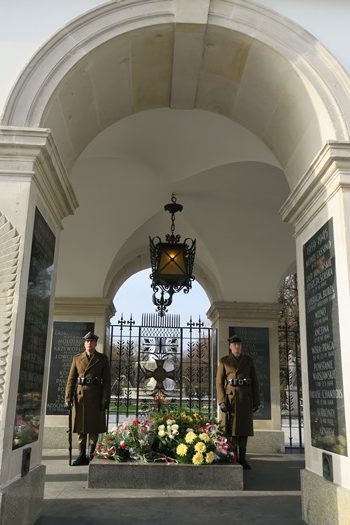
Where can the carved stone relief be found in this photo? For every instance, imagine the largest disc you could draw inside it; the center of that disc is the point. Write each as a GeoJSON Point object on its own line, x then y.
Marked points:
{"type": "Point", "coordinates": [9, 250]}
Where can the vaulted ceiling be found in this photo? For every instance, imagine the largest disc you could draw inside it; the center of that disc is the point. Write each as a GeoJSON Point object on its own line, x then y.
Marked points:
{"type": "Point", "coordinates": [210, 114]}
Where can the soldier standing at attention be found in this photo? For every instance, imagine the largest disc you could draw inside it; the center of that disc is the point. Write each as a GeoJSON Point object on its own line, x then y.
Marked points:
{"type": "Point", "coordinates": [88, 393]}
{"type": "Point", "coordinates": [238, 397]}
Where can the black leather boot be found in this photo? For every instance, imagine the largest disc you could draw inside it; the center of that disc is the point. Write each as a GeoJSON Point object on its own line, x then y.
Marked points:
{"type": "Point", "coordinates": [92, 450]}
{"type": "Point", "coordinates": [242, 461]}
{"type": "Point", "coordinates": [81, 459]}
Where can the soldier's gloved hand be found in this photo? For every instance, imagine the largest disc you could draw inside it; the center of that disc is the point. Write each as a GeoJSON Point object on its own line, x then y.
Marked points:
{"type": "Point", "coordinates": [256, 408]}
{"type": "Point", "coordinates": [68, 405]}
{"type": "Point", "coordinates": [223, 407]}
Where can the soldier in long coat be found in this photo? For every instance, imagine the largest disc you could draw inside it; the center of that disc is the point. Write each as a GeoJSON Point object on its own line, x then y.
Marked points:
{"type": "Point", "coordinates": [238, 397]}
{"type": "Point", "coordinates": [88, 391]}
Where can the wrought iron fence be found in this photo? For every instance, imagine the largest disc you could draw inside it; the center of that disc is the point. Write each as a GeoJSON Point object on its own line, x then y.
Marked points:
{"type": "Point", "coordinates": [161, 364]}
{"type": "Point", "coordinates": [291, 388]}
{"type": "Point", "coordinates": [290, 364]}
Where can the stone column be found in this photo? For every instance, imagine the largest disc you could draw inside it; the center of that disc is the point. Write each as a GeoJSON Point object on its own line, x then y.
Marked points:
{"type": "Point", "coordinates": [257, 324]}
{"type": "Point", "coordinates": [35, 196]}
{"type": "Point", "coordinates": [319, 209]}
{"type": "Point", "coordinates": [73, 317]}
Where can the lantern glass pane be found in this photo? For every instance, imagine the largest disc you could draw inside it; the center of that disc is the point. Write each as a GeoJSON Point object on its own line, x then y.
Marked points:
{"type": "Point", "coordinates": [172, 260]}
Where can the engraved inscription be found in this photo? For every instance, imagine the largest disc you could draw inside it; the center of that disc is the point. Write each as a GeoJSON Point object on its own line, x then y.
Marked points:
{"type": "Point", "coordinates": [31, 374]}
{"type": "Point", "coordinates": [327, 414]}
{"type": "Point", "coordinates": [255, 343]}
{"type": "Point", "coordinates": [66, 342]}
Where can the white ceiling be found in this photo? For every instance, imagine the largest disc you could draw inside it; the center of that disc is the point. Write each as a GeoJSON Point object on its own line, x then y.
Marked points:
{"type": "Point", "coordinates": [229, 182]}
{"type": "Point", "coordinates": [211, 114]}
{"type": "Point", "coordinates": [187, 66]}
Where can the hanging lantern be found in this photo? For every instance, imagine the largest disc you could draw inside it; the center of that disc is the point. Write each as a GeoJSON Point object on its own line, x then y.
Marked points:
{"type": "Point", "coordinates": [172, 263]}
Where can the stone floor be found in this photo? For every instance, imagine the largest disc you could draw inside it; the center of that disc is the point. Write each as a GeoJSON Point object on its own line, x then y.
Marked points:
{"type": "Point", "coordinates": [271, 497]}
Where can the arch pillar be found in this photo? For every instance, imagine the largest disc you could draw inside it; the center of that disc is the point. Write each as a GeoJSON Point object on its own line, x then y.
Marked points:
{"type": "Point", "coordinates": [73, 317]}
{"type": "Point", "coordinates": [35, 196]}
{"type": "Point", "coordinates": [257, 324]}
{"type": "Point", "coordinates": [319, 210]}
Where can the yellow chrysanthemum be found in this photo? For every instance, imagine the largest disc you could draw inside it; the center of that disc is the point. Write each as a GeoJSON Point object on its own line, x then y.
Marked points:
{"type": "Point", "coordinates": [196, 416]}
{"type": "Point", "coordinates": [200, 447]}
{"type": "Point", "coordinates": [197, 459]}
{"type": "Point", "coordinates": [209, 458]}
{"type": "Point", "coordinates": [190, 437]}
{"type": "Point", "coordinates": [181, 450]}
{"type": "Point", "coordinates": [204, 437]}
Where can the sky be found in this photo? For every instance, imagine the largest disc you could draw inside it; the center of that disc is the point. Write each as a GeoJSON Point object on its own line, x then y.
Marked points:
{"type": "Point", "coordinates": [135, 296]}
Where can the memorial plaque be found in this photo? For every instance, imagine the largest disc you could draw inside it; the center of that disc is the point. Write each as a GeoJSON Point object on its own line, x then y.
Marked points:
{"type": "Point", "coordinates": [66, 342]}
{"type": "Point", "coordinates": [31, 374]}
{"type": "Point", "coordinates": [327, 415]}
{"type": "Point", "coordinates": [255, 343]}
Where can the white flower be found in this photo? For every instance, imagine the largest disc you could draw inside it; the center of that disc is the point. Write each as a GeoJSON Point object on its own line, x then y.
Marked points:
{"type": "Point", "coordinates": [174, 428]}
{"type": "Point", "coordinates": [161, 433]}
{"type": "Point", "coordinates": [170, 422]}
{"type": "Point", "coordinates": [161, 427]}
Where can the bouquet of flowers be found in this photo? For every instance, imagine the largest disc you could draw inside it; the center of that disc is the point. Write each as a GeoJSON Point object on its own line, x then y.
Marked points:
{"type": "Point", "coordinates": [190, 438]}
{"type": "Point", "coordinates": [128, 442]}
{"type": "Point", "coordinates": [177, 436]}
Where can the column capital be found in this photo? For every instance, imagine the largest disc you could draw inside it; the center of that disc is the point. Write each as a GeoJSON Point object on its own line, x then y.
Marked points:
{"type": "Point", "coordinates": [328, 173]}
{"type": "Point", "coordinates": [31, 154]}
{"type": "Point", "coordinates": [83, 307]}
{"type": "Point", "coordinates": [225, 310]}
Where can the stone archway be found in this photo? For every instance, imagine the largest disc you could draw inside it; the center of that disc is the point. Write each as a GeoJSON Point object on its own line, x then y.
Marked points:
{"type": "Point", "coordinates": [255, 34]}
{"type": "Point", "coordinates": [295, 104]}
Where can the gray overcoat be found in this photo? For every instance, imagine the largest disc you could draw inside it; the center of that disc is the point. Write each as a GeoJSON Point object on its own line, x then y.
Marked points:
{"type": "Point", "coordinates": [240, 400]}
{"type": "Point", "coordinates": [90, 400]}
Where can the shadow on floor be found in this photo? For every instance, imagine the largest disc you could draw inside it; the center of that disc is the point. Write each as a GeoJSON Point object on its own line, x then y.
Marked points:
{"type": "Point", "coordinates": [272, 475]}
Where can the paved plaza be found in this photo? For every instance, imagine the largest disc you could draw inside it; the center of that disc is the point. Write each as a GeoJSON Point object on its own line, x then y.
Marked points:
{"type": "Point", "coordinates": [271, 497]}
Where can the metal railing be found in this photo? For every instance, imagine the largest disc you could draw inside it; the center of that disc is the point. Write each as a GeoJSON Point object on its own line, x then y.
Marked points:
{"type": "Point", "coordinates": [160, 364]}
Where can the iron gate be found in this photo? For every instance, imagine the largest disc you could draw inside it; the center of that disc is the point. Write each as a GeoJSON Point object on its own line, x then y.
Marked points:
{"type": "Point", "coordinates": [290, 365]}
{"type": "Point", "coordinates": [161, 364]}
{"type": "Point", "coordinates": [291, 389]}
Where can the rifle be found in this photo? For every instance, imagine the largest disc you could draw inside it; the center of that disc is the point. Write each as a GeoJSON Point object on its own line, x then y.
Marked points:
{"type": "Point", "coordinates": [70, 425]}
{"type": "Point", "coordinates": [227, 419]}
{"type": "Point", "coordinates": [70, 434]}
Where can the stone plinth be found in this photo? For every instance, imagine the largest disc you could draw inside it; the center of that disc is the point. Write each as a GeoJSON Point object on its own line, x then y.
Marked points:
{"type": "Point", "coordinates": [21, 501]}
{"type": "Point", "coordinates": [323, 502]}
{"type": "Point", "coordinates": [266, 442]}
{"type": "Point", "coordinates": [108, 474]}
{"type": "Point", "coordinates": [57, 437]}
